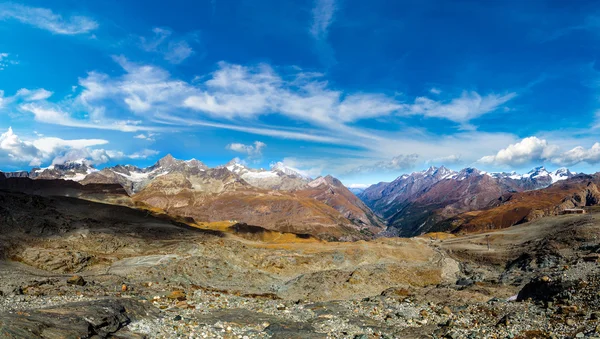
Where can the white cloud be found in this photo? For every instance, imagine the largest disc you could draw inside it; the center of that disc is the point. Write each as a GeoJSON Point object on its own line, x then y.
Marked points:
{"type": "Point", "coordinates": [15, 150]}
{"type": "Point", "coordinates": [254, 150]}
{"type": "Point", "coordinates": [579, 154]}
{"type": "Point", "coordinates": [174, 51]}
{"type": "Point", "coordinates": [33, 95]}
{"type": "Point", "coordinates": [322, 17]}
{"type": "Point", "coordinates": [236, 97]}
{"type": "Point", "coordinates": [528, 150]}
{"type": "Point", "coordinates": [91, 156]}
{"type": "Point", "coordinates": [435, 91]}
{"type": "Point", "coordinates": [239, 91]}
{"type": "Point", "coordinates": [533, 149]}
{"type": "Point", "coordinates": [46, 19]}
{"type": "Point", "coordinates": [51, 145]}
{"type": "Point", "coordinates": [147, 136]}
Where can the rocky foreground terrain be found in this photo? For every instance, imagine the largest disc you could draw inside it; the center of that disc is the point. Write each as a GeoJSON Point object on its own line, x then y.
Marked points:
{"type": "Point", "coordinates": [73, 268]}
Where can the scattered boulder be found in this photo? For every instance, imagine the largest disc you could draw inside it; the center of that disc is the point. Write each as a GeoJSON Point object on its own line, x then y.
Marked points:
{"type": "Point", "coordinates": [592, 257]}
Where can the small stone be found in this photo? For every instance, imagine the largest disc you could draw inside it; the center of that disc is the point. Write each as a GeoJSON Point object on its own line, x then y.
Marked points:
{"type": "Point", "coordinates": [568, 309]}
{"type": "Point", "coordinates": [447, 310]}
{"type": "Point", "coordinates": [504, 321]}
{"type": "Point", "coordinates": [123, 288]}
{"type": "Point", "coordinates": [570, 322]}
{"type": "Point", "coordinates": [177, 318]}
{"type": "Point", "coordinates": [545, 278]}
{"type": "Point", "coordinates": [182, 304]}
{"type": "Point", "coordinates": [579, 335]}
{"type": "Point", "coordinates": [177, 295]}
{"type": "Point", "coordinates": [76, 280]}
{"type": "Point", "coordinates": [594, 316]}
{"type": "Point", "coordinates": [423, 313]}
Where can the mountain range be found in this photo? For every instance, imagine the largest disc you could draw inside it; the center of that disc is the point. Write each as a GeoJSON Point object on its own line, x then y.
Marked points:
{"type": "Point", "coordinates": [280, 199]}
{"type": "Point", "coordinates": [415, 203]}
{"type": "Point", "coordinates": [283, 199]}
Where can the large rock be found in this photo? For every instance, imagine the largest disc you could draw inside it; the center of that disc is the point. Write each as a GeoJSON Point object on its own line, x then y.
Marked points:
{"type": "Point", "coordinates": [76, 320]}
{"type": "Point", "coordinates": [546, 289]}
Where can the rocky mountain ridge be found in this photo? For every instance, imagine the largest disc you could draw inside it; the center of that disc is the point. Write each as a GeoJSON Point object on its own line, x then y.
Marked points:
{"type": "Point", "coordinates": [414, 203]}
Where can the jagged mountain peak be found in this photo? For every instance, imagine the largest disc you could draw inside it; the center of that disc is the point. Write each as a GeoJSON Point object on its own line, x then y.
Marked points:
{"type": "Point", "coordinates": [166, 161]}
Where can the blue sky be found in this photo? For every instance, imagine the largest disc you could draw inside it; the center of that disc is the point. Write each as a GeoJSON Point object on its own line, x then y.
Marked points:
{"type": "Point", "coordinates": [365, 91]}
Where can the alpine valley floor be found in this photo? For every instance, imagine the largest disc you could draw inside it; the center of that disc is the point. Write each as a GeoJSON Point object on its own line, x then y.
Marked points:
{"type": "Point", "coordinates": [72, 268]}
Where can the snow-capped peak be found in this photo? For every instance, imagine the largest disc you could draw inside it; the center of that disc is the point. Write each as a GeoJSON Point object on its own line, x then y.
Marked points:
{"type": "Point", "coordinates": [280, 167]}
{"type": "Point", "coordinates": [236, 166]}
{"type": "Point", "coordinates": [560, 174]}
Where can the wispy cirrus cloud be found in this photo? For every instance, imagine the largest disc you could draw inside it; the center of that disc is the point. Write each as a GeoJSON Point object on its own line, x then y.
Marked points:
{"type": "Point", "coordinates": [468, 106]}
{"type": "Point", "coordinates": [46, 19]}
{"type": "Point", "coordinates": [397, 163]}
{"type": "Point", "coordinates": [56, 116]}
{"type": "Point", "coordinates": [323, 15]}
{"type": "Point", "coordinates": [143, 154]}
{"type": "Point", "coordinates": [146, 98]}
{"type": "Point", "coordinates": [174, 50]}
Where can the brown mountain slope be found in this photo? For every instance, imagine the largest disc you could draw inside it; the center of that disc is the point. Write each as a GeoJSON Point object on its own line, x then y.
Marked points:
{"type": "Point", "coordinates": [443, 200]}
{"type": "Point", "coordinates": [517, 208]}
{"type": "Point", "coordinates": [332, 192]}
{"type": "Point", "coordinates": [218, 194]}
